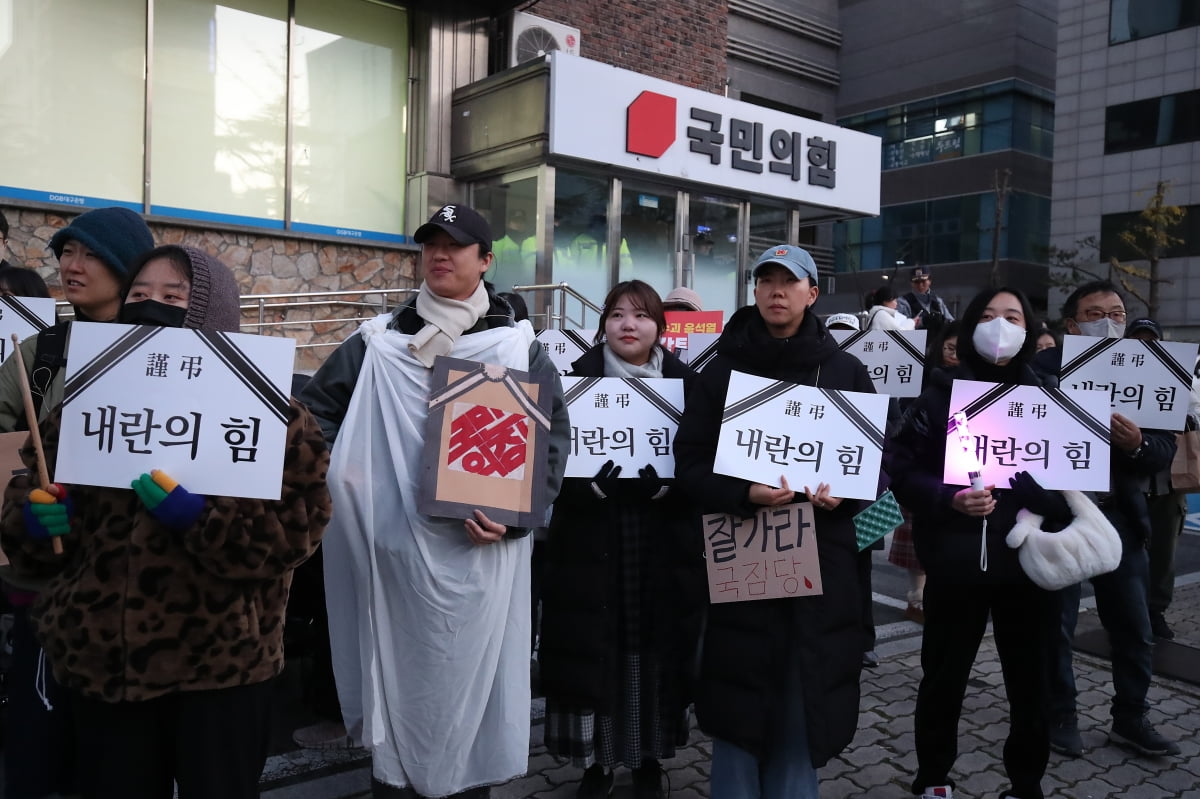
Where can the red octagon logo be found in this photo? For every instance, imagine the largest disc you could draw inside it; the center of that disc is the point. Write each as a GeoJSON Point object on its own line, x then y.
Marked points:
{"type": "Point", "coordinates": [650, 124]}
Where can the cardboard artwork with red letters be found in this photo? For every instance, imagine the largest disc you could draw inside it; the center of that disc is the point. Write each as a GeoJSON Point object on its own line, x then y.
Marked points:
{"type": "Point", "coordinates": [770, 555]}
{"type": "Point", "coordinates": [487, 441]}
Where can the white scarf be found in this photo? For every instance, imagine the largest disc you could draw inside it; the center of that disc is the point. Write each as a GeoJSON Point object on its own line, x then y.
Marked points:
{"type": "Point", "coordinates": [445, 321]}
{"type": "Point", "coordinates": [616, 366]}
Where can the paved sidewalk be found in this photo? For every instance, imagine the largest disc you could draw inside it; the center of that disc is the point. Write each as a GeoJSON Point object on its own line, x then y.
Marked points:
{"type": "Point", "coordinates": [880, 762]}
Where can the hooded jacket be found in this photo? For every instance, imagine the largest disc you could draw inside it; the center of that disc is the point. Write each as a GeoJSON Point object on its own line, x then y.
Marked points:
{"type": "Point", "coordinates": [746, 644]}
{"type": "Point", "coordinates": [133, 610]}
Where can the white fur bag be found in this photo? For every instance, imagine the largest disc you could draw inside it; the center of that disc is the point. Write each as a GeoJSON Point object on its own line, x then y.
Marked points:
{"type": "Point", "coordinates": [1087, 547]}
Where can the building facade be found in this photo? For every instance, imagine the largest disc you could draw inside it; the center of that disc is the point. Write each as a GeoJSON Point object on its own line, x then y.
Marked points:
{"type": "Point", "coordinates": [304, 140]}
{"type": "Point", "coordinates": [962, 95]}
{"type": "Point", "coordinates": [1127, 119]}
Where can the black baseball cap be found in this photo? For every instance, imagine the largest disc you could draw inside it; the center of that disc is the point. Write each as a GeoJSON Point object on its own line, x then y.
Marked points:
{"type": "Point", "coordinates": [464, 224]}
{"type": "Point", "coordinates": [1144, 324]}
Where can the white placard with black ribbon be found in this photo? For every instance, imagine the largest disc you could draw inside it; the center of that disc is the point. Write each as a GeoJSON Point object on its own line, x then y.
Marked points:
{"type": "Point", "coordinates": [700, 349]}
{"type": "Point", "coordinates": [23, 316]}
{"type": "Point", "coordinates": [209, 409]}
{"type": "Point", "coordinates": [895, 359]}
{"type": "Point", "coordinates": [1148, 382]}
{"type": "Point", "coordinates": [630, 421]}
{"type": "Point", "coordinates": [1061, 437]}
{"type": "Point", "coordinates": [772, 429]}
{"type": "Point", "coordinates": [565, 346]}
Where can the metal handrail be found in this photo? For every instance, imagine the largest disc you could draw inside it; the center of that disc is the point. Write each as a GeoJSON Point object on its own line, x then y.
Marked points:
{"type": "Point", "coordinates": [372, 301]}
{"type": "Point", "coordinates": [560, 292]}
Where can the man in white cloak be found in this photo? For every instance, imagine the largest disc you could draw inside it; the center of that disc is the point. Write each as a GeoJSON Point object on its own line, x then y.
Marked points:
{"type": "Point", "coordinates": [428, 616]}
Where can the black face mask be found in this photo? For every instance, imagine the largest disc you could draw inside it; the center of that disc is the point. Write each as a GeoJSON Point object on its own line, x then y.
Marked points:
{"type": "Point", "coordinates": [152, 312]}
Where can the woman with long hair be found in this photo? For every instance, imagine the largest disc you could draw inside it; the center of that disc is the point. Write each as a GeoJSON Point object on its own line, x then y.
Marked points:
{"type": "Point", "coordinates": [964, 587]}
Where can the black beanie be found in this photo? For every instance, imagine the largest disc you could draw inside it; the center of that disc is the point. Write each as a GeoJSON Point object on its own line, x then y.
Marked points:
{"type": "Point", "coordinates": [118, 236]}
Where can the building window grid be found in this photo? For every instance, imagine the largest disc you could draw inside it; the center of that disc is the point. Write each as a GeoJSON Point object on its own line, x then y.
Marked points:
{"type": "Point", "coordinates": [999, 117]}
{"type": "Point", "coordinates": [1130, 20]}
{"type": "Point", "coordinates": [947, 230]}
{"type": "Point", "coordinates": [1152, 122]}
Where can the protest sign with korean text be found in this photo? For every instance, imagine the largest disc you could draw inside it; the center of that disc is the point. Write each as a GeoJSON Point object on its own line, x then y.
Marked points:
{"type": "Point", "coordinates": [11, 464]}
{"type": "Point", "coordinates": [208, 408]}
{"type": "Point", "coordinates": [1148, 382]}
{"type": "Point", "coordinates": [681, 324]}
{"type": "Point", "coordinates": [565, 346]}
{"type": "Point", "coordinates": [895, 359]}
{"type": "Point", "coordinates": [768, 555]}
{"type": "Point", "coordinates": [23, 316]}
{"type": "Point", "coordinates": [487, 443]}
{"type": "Point", "coordinates": [773, 428]}
{"type": "Point", "coordinates": [698, 349]}
{"type": "Point", "coordinates": [1061, 437]}
{"type": "Point", "coordinates": [630, 421]}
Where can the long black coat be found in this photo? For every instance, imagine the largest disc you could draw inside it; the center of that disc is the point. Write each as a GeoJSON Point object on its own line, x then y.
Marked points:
{"type": "Point", "coordinates": [746, 644]}
{"type": "Point", "coordinates": [579, 655]}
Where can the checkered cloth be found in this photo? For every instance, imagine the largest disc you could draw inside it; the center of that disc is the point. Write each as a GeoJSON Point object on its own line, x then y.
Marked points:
{"type": "Point", "coordinates": [903, 553]}
{"type": "Point", "coordinates": [645, 727]}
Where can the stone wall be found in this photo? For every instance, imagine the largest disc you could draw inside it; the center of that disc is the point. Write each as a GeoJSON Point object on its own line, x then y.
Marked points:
{"type": "Point", "coordinates": [264, 263]}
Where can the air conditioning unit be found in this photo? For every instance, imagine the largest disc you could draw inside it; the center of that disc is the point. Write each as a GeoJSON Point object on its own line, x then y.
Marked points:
{"type": "Point", "coordinates": [533, 37]}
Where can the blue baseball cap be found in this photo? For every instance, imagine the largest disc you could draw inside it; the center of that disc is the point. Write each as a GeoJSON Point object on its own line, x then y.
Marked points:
{"type": "Point", "coordinates": [796, 259]}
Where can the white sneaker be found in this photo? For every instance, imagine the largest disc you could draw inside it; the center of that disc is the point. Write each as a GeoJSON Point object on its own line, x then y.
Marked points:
{"type": "Point", "coordinates": [938, 792]}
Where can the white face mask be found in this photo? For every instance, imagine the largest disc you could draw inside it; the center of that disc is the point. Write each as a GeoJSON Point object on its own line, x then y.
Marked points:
{"type": "Point", "coordinates": [1104, 328]}
{"type": "Point", "coordinates": [998, 340]}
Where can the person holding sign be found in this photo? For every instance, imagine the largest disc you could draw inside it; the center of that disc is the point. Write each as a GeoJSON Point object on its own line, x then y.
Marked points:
{"type": "Point", "coordinates": [95, 252]}
{"type": "Point", "coordinates": [971, 573]}
{"type": "Point", "coordinates": [164, 614]}
{"type": "Point", "coordinates": [429, 616]}
{"type": "Point", "coordinates": [625, 587]}
{"type": "Point", "coordinates": [779, 678]}
{"type": "Point", "coordinates": [1097, 309]}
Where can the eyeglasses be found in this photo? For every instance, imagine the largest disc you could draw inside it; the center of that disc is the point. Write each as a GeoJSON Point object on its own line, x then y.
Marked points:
{"type": "Point", "coordinates": [1095, 315]}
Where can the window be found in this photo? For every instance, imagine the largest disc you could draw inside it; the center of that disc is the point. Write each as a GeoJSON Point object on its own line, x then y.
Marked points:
{"type": "Point", "coordinates": [1112, 225]}
{"type": "Point", "coordinates": [1137, 19]}
{"type": "Point", "coordinates": [1002, 116]}
{"type": "Point", "coordinates": [221, 98]}
{"type": "Point", "coordinates": [72, 77]}
{"type": "Point", "coordinates": [1156, 122]}
{"type": "Point", "coordinates": [949, 230]}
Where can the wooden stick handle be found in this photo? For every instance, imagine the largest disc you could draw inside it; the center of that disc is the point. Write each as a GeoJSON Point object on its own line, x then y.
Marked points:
{"type": "Point", "coordinates": [34, 433]}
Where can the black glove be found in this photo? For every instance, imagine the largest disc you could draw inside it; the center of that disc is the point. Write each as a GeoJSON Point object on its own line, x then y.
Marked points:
{"type": "Point", "coordinates": [605, 484]}
{"type": "Point", "coordinates": [648, 485]}
{"type": "Point", "coordinates": [1051, 505]}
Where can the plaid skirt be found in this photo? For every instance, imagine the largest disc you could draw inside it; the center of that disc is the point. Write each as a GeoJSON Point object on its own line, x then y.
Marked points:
{"type": "Point", "coordinates": [902, 552]}
{"type": "Point", "coordinates": [643, 724]}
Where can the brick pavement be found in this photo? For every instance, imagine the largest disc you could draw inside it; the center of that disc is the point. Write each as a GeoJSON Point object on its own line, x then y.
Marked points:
{"type": "Point", "coordinates": [880, 762]}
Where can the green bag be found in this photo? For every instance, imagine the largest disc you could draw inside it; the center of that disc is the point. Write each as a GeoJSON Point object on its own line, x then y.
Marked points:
{"type": "Point", "coordinates": [877, 520]}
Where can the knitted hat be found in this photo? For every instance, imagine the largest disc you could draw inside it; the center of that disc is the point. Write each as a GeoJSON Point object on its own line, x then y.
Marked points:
{"type": "Point", "coordinates": [117, 235]}
{"type": "Point", "coordinates": [215, 298]}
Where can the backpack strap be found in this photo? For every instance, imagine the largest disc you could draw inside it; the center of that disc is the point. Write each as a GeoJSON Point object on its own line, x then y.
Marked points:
{"type": "Point", "coordinates": [48, 359]}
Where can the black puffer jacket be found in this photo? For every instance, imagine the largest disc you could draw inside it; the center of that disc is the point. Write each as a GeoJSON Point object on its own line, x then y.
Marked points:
{"type": "Point", "coordinates": [948, 542]}
{"type": "Point", "coordinates": [746, 644]}
{"type": "Point", "coordinates": [581, 595]}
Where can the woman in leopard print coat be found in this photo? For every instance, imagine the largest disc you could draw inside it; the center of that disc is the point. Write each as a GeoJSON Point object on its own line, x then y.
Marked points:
{"type": "Point", "coordinates": [168, 636]}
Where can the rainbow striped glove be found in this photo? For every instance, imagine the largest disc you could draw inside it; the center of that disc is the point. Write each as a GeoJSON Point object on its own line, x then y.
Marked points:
{"type": "Point", "coordinates": [167, 501]}
{"type": "Point", "coordinates": [48, 513]}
